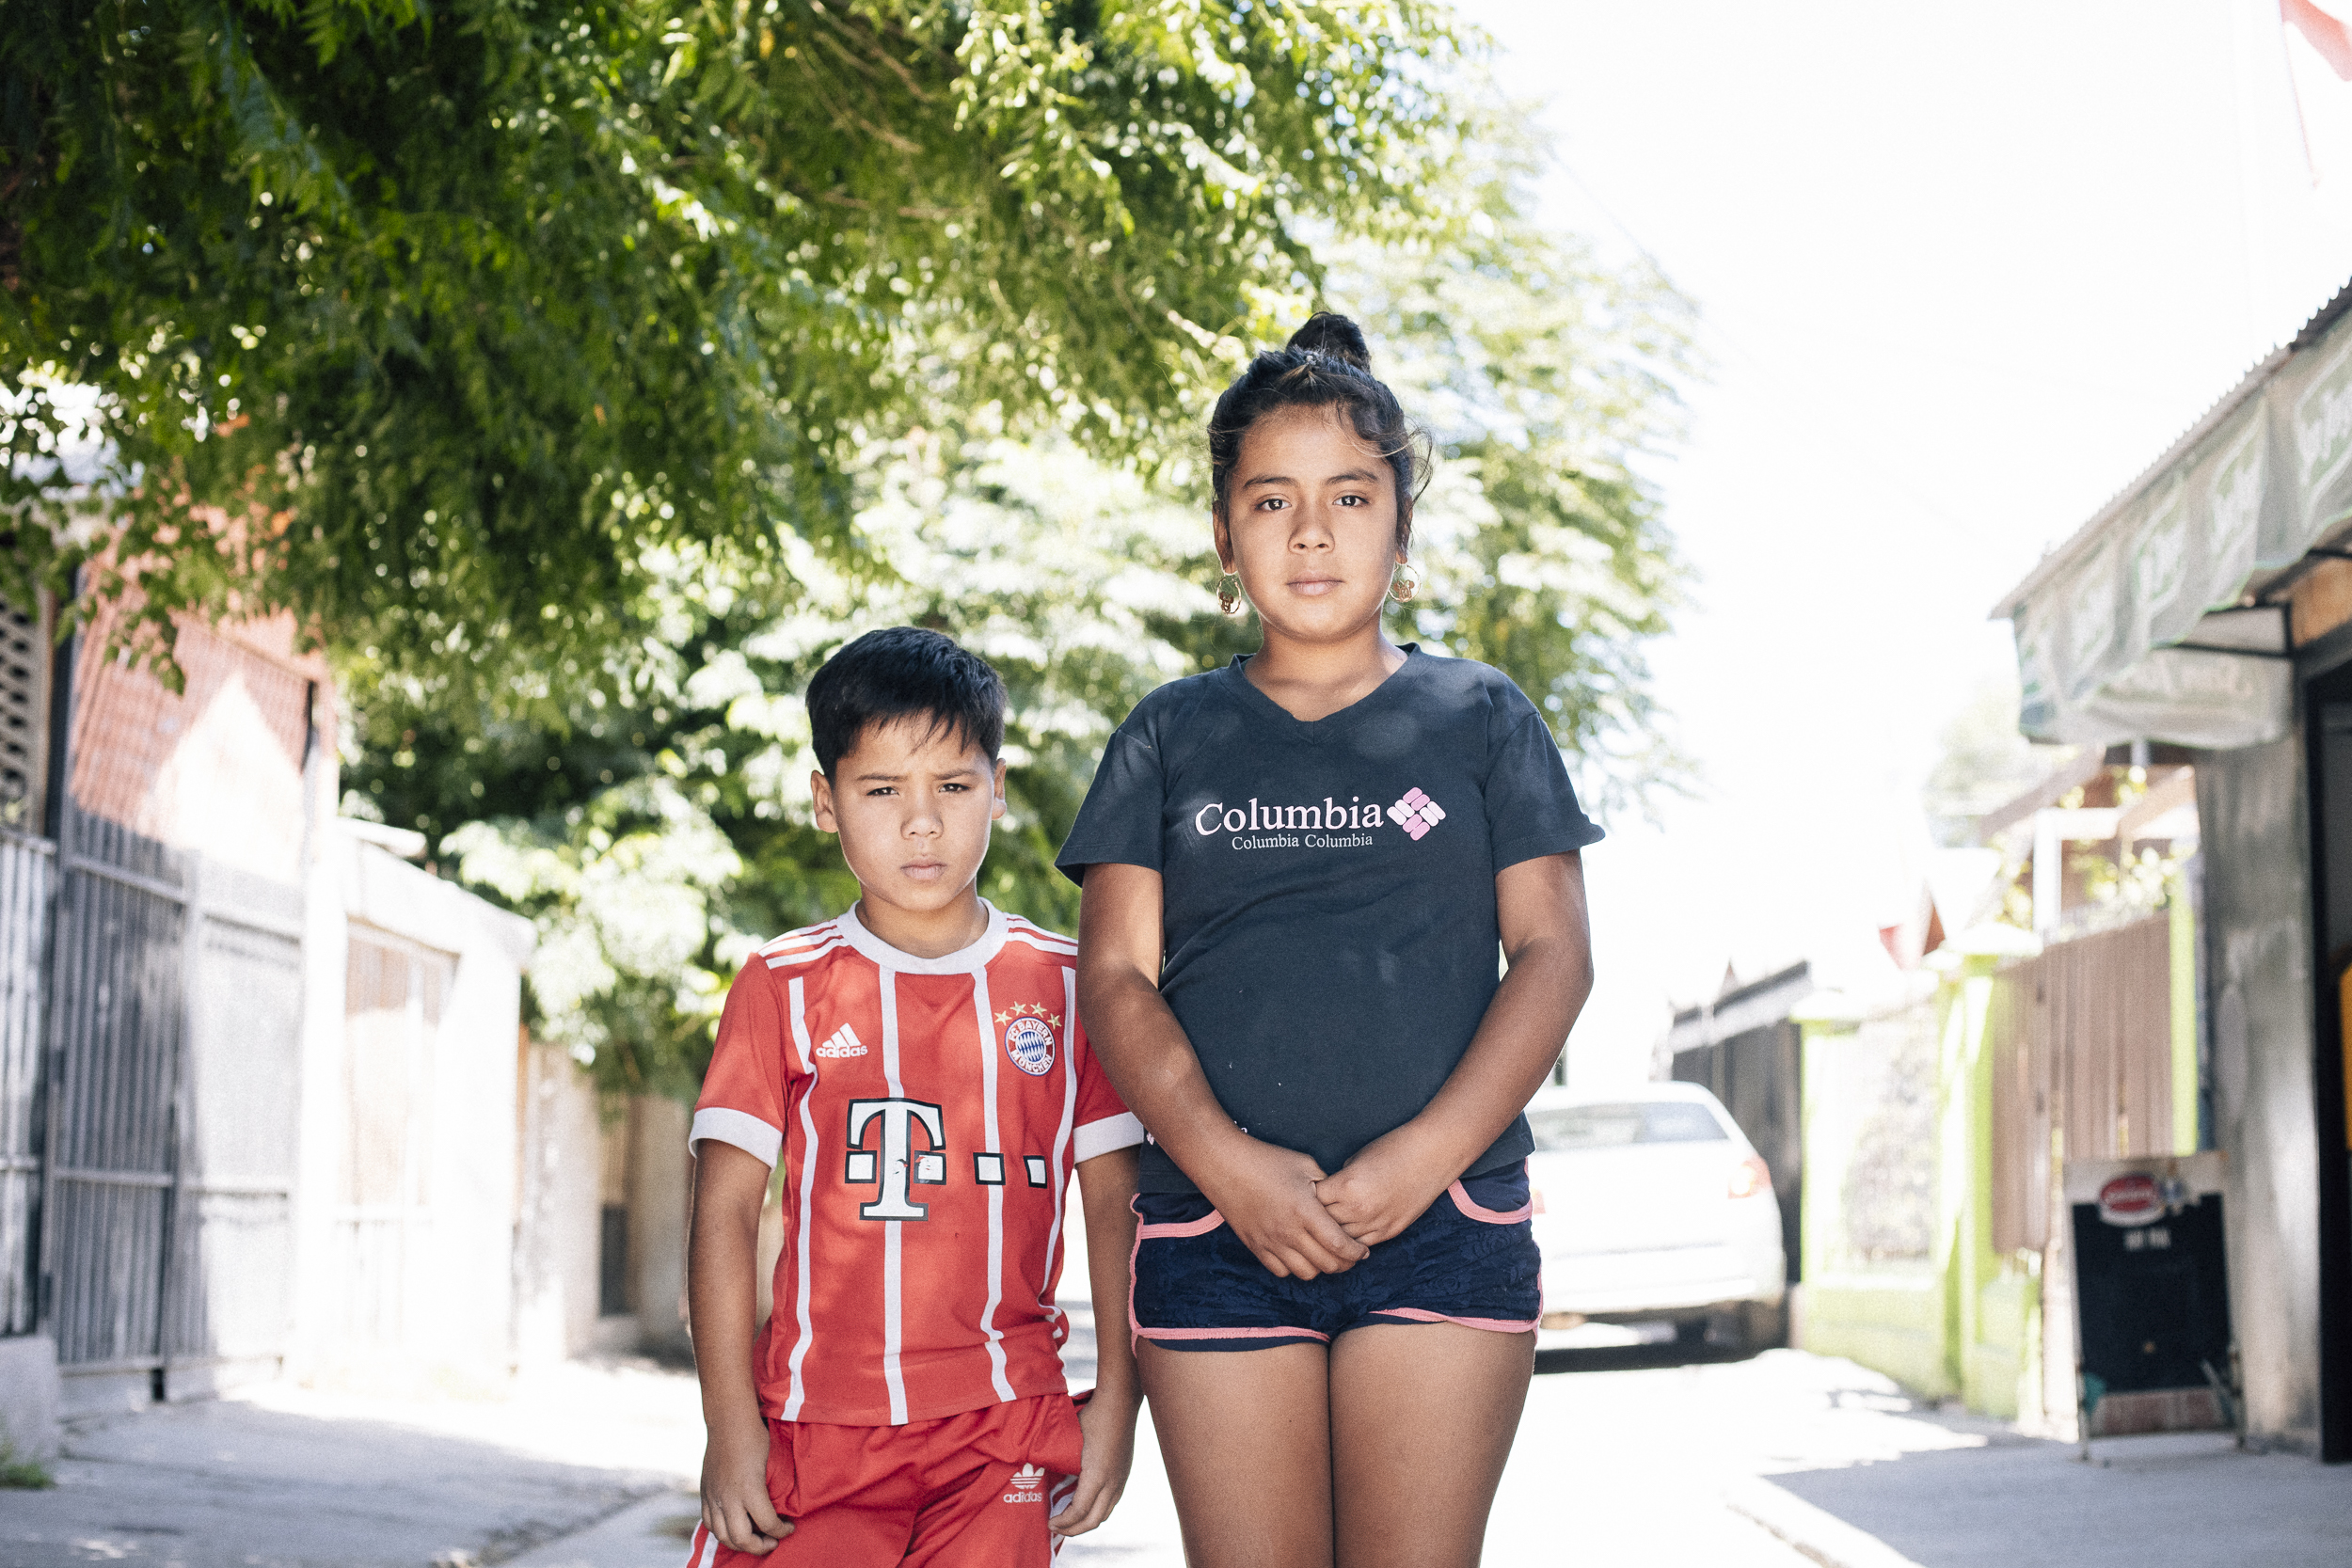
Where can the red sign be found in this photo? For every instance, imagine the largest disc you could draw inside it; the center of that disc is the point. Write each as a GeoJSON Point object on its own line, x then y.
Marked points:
{"type": "Point", "coordinates": [2131, 1200]}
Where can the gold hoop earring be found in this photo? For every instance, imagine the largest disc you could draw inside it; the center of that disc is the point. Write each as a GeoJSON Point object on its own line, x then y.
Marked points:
{"type": "Point", "coordinates": [1229, 594]}
{"type": "Point", "coordinates": [1402, 588]}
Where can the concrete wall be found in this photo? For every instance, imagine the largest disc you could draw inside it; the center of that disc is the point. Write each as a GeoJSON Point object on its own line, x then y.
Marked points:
{"type": "Point", "coordinates": [1891, 1315]}
{"type": "Point", "coordinates": [29, 1396]}
{"type": "Point", "coordinates": [555, 1244]}
{"type": "Point", "coordinates": [1963, 1319]}
{"type": "Point", "coordinates": [660, 1170]}
{"type": "Point", "coordinates": [2251, 811]}
{"type": "Point", "coordinates": [456, 1291]}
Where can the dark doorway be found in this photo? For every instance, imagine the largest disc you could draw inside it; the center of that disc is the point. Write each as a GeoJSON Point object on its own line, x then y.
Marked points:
{"type": "Point", "coordinates": [2327, 703]}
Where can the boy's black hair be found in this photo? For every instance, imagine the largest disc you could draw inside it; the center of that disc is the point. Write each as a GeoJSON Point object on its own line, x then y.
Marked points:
{"type": "Point", "coordinates": [904, 673]}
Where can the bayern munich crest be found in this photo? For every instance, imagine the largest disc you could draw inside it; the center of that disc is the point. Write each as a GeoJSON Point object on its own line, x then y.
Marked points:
{"type": "Point", "coordinates": [1029, 1038]}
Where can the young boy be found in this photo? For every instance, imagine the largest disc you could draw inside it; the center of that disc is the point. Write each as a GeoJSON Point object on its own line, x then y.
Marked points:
{"type": "Point", "coordinates": [917, 1069]}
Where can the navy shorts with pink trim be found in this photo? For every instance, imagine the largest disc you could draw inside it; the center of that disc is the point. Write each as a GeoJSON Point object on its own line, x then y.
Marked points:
{"type": "Point", "coordinates": [1471, 1260]}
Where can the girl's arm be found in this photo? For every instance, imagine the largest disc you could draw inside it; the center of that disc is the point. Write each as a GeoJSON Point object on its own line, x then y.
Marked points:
{"type": "Point", "coordinates": [722, 1273]}
{"type": "Point", "coordinates": [1265, 1193]}
{"type": "Point", "coordinates": [1547, 939]}
{"type": "Point", "coordinates": [1106, 1184]}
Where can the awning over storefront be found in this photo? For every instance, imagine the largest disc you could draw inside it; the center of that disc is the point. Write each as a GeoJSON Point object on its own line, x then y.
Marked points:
{"type": "Point", "coordinates": [2166, 617]}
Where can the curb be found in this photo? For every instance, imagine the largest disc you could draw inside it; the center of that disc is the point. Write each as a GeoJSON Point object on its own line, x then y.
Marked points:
{"type": "Point", "coordinates": [1815, 1532]}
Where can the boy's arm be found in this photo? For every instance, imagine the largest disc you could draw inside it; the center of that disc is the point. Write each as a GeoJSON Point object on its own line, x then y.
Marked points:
{"type": "Point", "coordinates": [1107, 1188]}
{"type": "Point", "coordinates": [722, 1274]}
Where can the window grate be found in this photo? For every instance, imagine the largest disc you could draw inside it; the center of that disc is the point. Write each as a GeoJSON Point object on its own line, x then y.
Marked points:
{"type": "Point", "coordinates": [23, 719]}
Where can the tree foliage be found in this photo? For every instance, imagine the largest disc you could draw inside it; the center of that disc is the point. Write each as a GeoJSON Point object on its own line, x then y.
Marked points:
{"type": "Point", "coordinates": [1544, 379]}
{"type": "Point", "coordinates": [452, 326]}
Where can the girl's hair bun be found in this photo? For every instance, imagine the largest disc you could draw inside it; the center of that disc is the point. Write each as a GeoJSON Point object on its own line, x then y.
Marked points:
{"type": "Point", "coordinates": [1334, 338]}
{"type": "Point", "coordinates": [1324, 365]}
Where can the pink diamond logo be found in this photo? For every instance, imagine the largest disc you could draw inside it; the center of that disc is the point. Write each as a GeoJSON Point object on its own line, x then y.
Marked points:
{"type": "Point", "coordinates": [1416, 812]}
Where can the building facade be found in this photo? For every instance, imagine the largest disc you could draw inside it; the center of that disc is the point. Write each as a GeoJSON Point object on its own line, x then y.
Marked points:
{"type": "Point", "coordinates": [2210, 605]}
{"type": "Point", "coordinates": [266, 1105]}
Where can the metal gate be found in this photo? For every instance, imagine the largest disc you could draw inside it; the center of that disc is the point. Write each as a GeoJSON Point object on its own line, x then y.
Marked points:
{"type": "Point", "coordinates": [175, 1056]}
{"type": "Point", "coordinates": [28, 880]}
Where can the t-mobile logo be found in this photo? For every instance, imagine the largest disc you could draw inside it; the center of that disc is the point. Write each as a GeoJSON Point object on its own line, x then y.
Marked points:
{"type": "Point", "coordinates": [897, 1163]}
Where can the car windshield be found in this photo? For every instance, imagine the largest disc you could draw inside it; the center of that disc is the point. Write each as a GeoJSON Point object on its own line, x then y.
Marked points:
{"type": "Point", "coordinates": [1655, 1122]}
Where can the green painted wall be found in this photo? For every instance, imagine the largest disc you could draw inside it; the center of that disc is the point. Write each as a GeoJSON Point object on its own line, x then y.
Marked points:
{"type": "Point", "coordinates": [1969, 1320]}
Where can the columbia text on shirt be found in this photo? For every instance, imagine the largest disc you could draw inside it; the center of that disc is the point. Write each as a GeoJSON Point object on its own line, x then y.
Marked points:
{"type": "Point", "coordinates": [1327, 887]}
{"type": "Point", "coordinates": [928, 1114]}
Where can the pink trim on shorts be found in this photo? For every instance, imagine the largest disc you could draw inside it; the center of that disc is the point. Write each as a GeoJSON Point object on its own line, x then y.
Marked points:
{"type": "Point", "coordinates": [1232, 1332]}
{"type": "Point", "coordinates": [1489, 1217]}
{"type": "Point", "coordinates": [1200, 1227]}
{"type": "Point", "coordinates": [1134, 1329]}
{"type": "Point", "coordinates": [1492, 1325]}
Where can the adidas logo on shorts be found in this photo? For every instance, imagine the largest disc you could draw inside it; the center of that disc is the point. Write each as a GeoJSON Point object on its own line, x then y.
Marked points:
{"type": "Point", "coordinates": [842, 1042]}
{"type": "Point", "coordinates": [1028, 1484]}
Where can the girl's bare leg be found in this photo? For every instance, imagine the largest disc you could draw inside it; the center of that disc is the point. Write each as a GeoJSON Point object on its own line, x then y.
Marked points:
{"type": "Point", "coordinates": [1247, 1437]}
{"type": "Point", "coordinates": [1422, 1421]}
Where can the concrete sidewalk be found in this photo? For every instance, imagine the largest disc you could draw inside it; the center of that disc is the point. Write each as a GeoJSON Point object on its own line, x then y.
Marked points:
{"type": "Point", "coordinates": [2175, 1502]}
{"type": "Point", "coordinates": [288, 1477]}
{"type": "Point", "coordinates": [1630, 1458]}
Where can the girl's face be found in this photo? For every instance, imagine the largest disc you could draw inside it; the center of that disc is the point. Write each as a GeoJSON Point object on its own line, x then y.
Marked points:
{"type": "Point", "coordinates": [1310, 525]}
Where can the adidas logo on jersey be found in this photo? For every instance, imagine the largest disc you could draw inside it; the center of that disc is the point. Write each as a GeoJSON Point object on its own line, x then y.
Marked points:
{"type": "Point", "coordinates": [1027, 1486]}
{"type": "Point", "coordinates": [842, 1042]}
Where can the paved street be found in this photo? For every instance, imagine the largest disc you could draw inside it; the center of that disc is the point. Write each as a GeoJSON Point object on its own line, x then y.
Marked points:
{"type": "Point", "coordinates": [1627, 1456]}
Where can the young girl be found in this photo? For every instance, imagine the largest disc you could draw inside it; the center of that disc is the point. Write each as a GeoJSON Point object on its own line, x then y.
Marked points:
{"type": "Point", "coordinates": [1298, 871]}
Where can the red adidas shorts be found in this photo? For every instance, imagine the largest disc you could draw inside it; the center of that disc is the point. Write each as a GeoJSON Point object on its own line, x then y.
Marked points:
{"type": "Point", "coordinates": [968, 1491]}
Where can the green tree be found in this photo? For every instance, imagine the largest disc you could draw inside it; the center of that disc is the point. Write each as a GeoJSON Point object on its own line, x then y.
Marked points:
{"type": "Point", "coordinates": [452, 328]}
{"type": "Point", "coordinates": [1077, 580]}
{"type": "Point", "coordinates": [1544, 380]}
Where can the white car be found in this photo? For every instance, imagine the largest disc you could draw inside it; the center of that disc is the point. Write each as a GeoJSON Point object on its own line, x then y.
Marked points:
{"type": "Point", "coordinates": [1651, 1206]}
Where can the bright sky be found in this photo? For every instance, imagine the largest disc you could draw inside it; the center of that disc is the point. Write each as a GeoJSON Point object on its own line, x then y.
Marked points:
{"type": "Point", "coordinates": [1965, 271]}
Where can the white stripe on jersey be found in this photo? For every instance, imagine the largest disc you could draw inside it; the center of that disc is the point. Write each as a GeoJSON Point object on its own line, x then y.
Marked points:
{"type": "Point", "coordinates": [803, 954]}
{"type": "Point", "coordinates": [1124, 1130]}
{"type": "Point", "coordinates": [741, 1128]}
{"type": "Point", "coordinates": [807, 936]}
{"type": "Point", "coordinates": [893, 1334]}
{"type": "Point", "coordinates": [1023, 922]}
{"type": "Point", "coordinates": [1061, 1142]}
{"type": "Point", "coordinates": [808, 1189]}
{"type": "Point", "coordinates": [996, 1195]}
{"type": "Point", "coordinates": [1043, 941]}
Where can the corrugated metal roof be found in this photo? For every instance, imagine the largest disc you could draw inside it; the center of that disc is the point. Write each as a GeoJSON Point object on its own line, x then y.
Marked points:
{"type": "Point", "coordinates": [2230, 402]}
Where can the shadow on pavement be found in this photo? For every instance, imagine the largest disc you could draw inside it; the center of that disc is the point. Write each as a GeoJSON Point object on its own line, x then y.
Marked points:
{"type": "Point", "coordinates": [231, 1485]}
{"type": "Point", "coordinates": [2177, 1501]}
{"type": "Point", "coordinates": [1636, 1358]}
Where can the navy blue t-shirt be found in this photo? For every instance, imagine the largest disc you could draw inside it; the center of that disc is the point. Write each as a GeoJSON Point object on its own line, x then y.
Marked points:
{"type": "Point", "coordinates": [1328, 888]}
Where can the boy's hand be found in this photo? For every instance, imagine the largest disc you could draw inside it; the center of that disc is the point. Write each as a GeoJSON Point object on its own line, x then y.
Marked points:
{"type": "Point", "coordinates": [1268, 1194]}
{"type": "Point", "coordinates": [1108, 1423]}
{"type": "Point", "coordinates": [1386, 1187]}
{"type": "Point", "coordinates": [736, 1504]}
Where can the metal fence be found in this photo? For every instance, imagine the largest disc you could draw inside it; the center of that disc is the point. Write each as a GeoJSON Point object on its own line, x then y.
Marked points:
{"type": "Point", "coordinates": [2082, 1066]}
{"type": "Point", "coordinates": [174, 1060]}
{"type": "Point", "coordinates": [116, 1030]}
{"type": "Point", "coordinates": [28, 883]}
{"type": "Point", "coordinates": [1757, 1074]}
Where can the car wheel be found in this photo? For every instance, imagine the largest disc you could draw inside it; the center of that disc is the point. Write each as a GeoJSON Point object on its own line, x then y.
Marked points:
{"type": "Point", "coordinates": [1763, 1325]}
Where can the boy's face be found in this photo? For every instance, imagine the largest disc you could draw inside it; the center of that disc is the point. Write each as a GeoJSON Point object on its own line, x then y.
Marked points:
{"type": "Point", "coordinates": [912, 803]}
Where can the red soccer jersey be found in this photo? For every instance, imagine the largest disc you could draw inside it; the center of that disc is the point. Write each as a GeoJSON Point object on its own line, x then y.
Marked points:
{"type": "Point", "coordinates": [929, 1113]}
